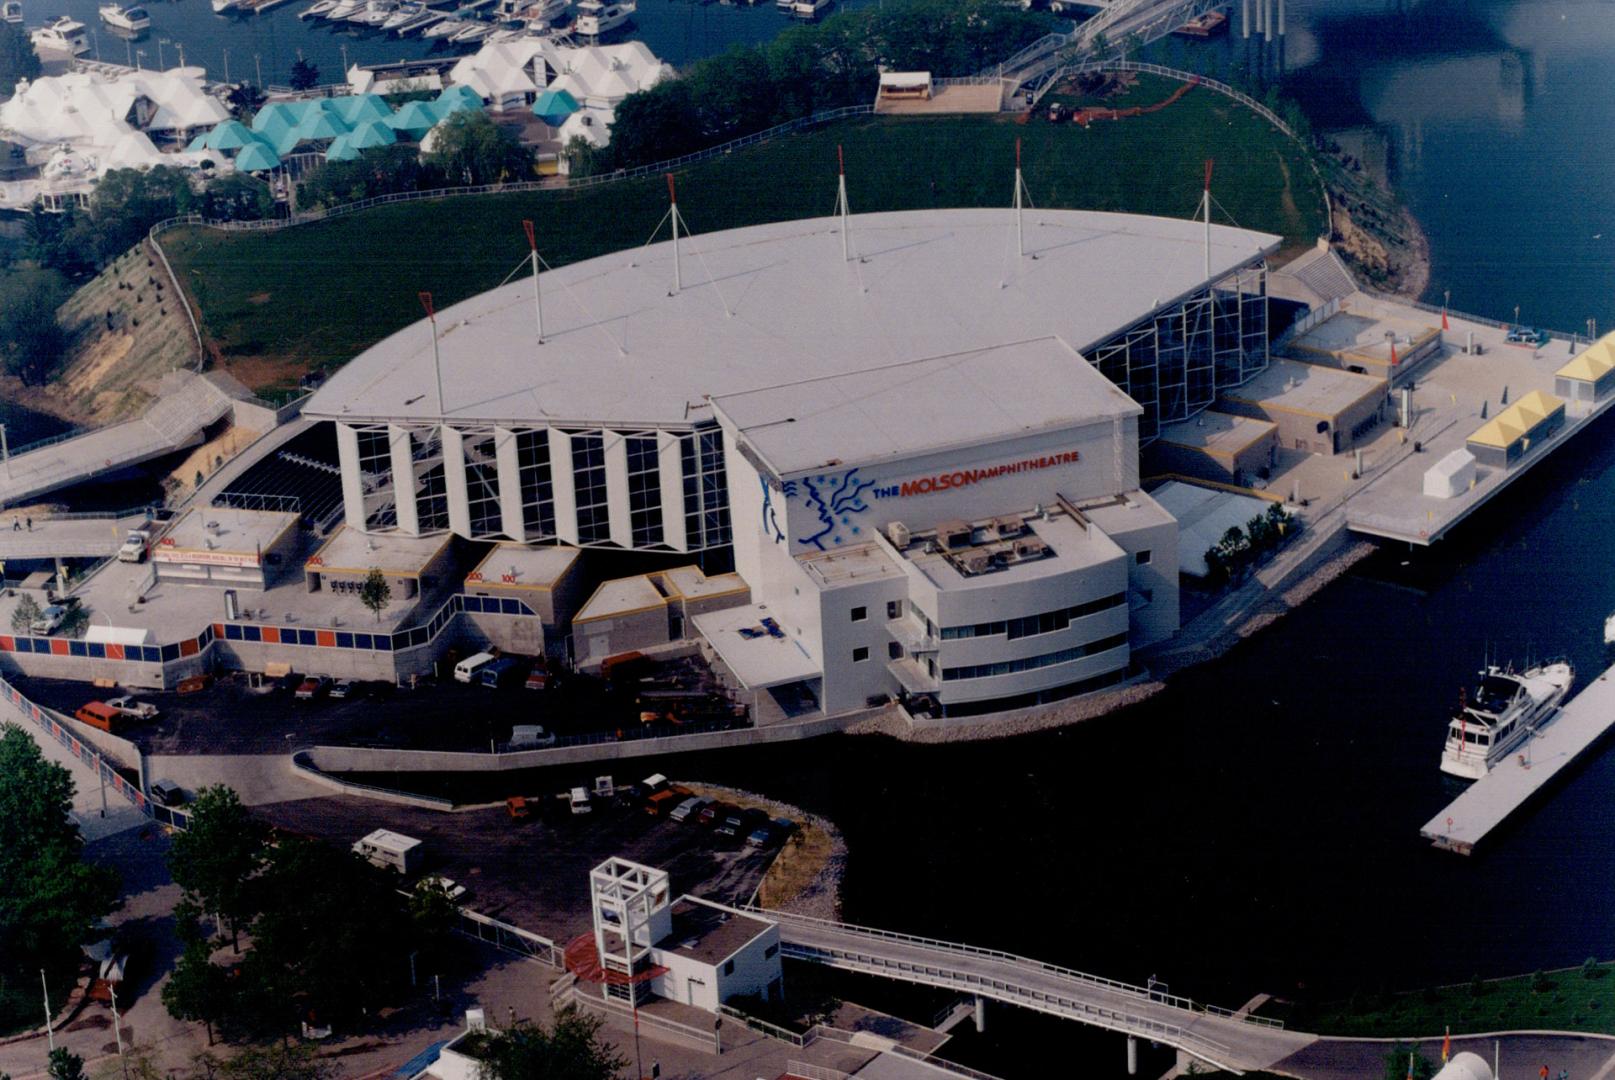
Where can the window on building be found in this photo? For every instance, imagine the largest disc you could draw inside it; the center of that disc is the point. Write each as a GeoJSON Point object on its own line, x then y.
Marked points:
{"type": "Point", "coordinates": [771, 952]}
{"type": "Point", "coordinates": [376, 477]}
{"type": "Point", "coordinates": [1142, 558]}
{"type": "Point", "coordinates": [894, 609]}
{"type": "Point", "coordinates": [1032, 663]}
{"type": "Point", "coordinates": [482, 485]}
{"type": "Point", "coordinates": [431, 490]}
{"type": "Point", "coordinates": [860, 654]}
{"type": "Point", "coordinates": [589, 486]}
{"type": "Point", "coordinates": [538, 487]}
{"type": "Point", "coordinates": [859, 614]}
{"type": "Point", "coordinates": [728, 967]}
{"type": "Point", "coordinates": [706, 489]}
{"type": "Point", "coordinates": [644, 490]}
{"type": "Point", "coordinates": [894, 650]}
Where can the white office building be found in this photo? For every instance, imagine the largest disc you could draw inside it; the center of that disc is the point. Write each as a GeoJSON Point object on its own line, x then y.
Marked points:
{"type": "Point", "coordinates": [919, 439]}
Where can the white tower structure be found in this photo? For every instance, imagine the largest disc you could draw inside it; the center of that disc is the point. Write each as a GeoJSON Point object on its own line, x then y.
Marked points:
{"type": "Point", "coordinates": [631, 907]}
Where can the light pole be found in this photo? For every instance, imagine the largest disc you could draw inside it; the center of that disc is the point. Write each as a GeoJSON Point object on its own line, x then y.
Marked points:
{"type": "Point", "coordinates": [129, 51]}
{"type": "Point", "coordinates": [180, 45]}
{"type": "Point", "coordinates": [117, 1030]}
{"type": "Point", "coordinates": [227, 65]}
{"type": "Point", "coordinates": [50, 1031]}
{"type": "Point", "coordinates": [259, 62]}
{"type": "Point", "coordinates": [95, 37]}
{"type": "Point", "coordinates": [140, 54]}
{"type": "Point", "coordinates": [344, 60]}
{"type": "Point", "coordinates": [5, 450]}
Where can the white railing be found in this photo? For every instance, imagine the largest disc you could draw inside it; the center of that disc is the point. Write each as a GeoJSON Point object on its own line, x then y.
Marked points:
{"type": "Point", "coordinates": [803, 1070]}
{"type": "Point", "coordinates": [510, 938]}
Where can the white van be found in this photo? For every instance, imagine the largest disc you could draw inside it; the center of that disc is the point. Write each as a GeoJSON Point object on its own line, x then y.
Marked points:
{"type": "Point", "coordinates": [579, 799]}
{"type": "Point", "coordinates": [390, 851]}
{"type": "Point", "coordinates": [467, 669]}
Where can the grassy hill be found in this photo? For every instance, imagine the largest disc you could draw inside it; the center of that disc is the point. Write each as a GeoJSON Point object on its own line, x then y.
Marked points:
{"type": "Point", "coordinates": [276, 304]}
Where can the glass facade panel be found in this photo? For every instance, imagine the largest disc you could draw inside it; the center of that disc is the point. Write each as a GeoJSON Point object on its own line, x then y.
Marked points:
{"type": "Point", "coordinates": [538, 492]}
{"type": "Point", "coordinates": [376, 478]}
{"type": "Point", "coordinates": [482, 486]}
{"type": "Point", "coordinates": [431, 492]}
{"type": "Point", "coordinates": [589, 487]}
{"type": "Point", "coordinates": [644, 490]}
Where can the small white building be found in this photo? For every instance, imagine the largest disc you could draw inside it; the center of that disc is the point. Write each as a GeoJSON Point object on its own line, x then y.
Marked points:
{"type": "Point", "coordinates": [1451, 476]}
{"type": "Point", "coordinates": [690, 950]}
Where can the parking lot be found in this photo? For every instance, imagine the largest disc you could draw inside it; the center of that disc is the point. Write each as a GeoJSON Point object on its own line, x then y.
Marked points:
{"type": "Point", "coordinates": [535, 873]}
{"type": "Point", "coordinates": [232, 717]}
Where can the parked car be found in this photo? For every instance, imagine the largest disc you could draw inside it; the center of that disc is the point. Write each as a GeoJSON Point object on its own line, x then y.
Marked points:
{"type": "Point", "coordinates": [738, 822]}
{"type": "Point", "coordinates": [516, 806]}
{"type": "Point", "coordinates": [341, 689]}
{"type": "Point", "coordinates": [503, 673]}
{"type": "Point", "coordinates": [98, 714]}
{"type": "Point", "coordinates": [689, 808]}
{"type": "Point", "coordinates": [579, 800]}
{"type": "Point", "coordinates": [168, 793]}
{"type": "Point", "coordinates": [713, 814]}
{"type": "Point", "coordinates": [128, 706]}
{"type": "Point", "coordinates": [665, 801]}
{"type": "Point", "coordinates": [312, 687]}
{"type": "Point", "coordinates": [530, 737]}
{"type": "Point", "coordinates": [135, 546]}
{"type": "Point", "coordinates": [538, 678]}
{"type": "Point", "coordinates": [776, 831]}
{"type": "Point", "coordinates": [450, 887]}
{"type": "Point", "coordinates": [49, 620]}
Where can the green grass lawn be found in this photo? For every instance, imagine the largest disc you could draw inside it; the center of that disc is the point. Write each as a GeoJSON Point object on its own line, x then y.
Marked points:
{"type": "Point", "coordinates": [318, 294]}
{"type": "Point", "coordinates": [1574, 999]}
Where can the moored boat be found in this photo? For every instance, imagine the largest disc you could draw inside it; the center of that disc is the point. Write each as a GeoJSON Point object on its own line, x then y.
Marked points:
{"type": "Point", "coordinates": [596, 18]}
{"type": "Point", "coordinates": [1507, 709]}
{"type": "Point", "coordinates": [61, 34]}
{"type": "Point", "coordinates": [132, 18]}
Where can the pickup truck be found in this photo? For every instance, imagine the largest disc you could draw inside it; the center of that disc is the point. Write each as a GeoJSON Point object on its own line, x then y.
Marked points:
{"type": "Point", "coordinates": [135, 546]}
{"type": "Point", "coordinates": [49, 620]}
{"type": "Point", "coordinates": [128, 706]}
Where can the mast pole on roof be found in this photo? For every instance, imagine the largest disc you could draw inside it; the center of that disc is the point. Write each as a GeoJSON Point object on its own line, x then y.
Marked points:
{"type": "Point", "coordinates": [538, 295]}
{"type": "Point", "coordinates": [673, 213]}
{"type": "Point", "coordinates": [842, 209]}
{"type": "Point", "coordinates": [437, 361]}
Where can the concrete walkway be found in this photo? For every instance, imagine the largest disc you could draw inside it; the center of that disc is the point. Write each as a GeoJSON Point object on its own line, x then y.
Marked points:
{"type": "Point", "coordinates": [1521, 1055]}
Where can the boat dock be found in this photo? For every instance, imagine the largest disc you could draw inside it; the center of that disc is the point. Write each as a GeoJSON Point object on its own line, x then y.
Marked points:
{"type": "Point", "coordinates": [1490, 800]}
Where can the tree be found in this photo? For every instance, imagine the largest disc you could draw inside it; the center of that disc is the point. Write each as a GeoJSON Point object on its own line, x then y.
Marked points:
{"type": "Point", "coordinates": [63, 242]}
{"type": "Point", "coordinates": [272, 1062]}
{"type": "Point", "coordinates": [236, 197]}
{"type": "Point", "coordinates": [571, 1049]}
{"type": "Point", "coordinates": [329, 942]}
{"type": "Point", "coordinates": [65, 1065]}
{"type": "Point", "coordinates": [215, 860]}
{"type": "Point", "coordinates": [305, 75]}
{"type": "Point", "coordinates": [197, 990]}
{"type": "Point", "coordinates": [32, 342]}
{"type": "Point", "coordinates": [246, 99]}
{"type": "Point", "coordinates": [1403, 1060]}
{"type": "Point", "coordinates": [50, 900]}
{"type": "Point", "coordinates": [23, 615]}
{"type": "Point", "coordinates": [471, 149]}
{"type": "Point", "coordinates": [432, 914]}
{"type": "Point", "coordinates": [128, 202]}
{"type": "Point", "coordinates": [18, 60]}
{"type": "Point", "coordinates": [375, 593]}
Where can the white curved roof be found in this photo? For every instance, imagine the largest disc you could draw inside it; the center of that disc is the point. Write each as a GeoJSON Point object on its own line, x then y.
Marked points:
{"type": "Point", "coordinates": [774, 304]}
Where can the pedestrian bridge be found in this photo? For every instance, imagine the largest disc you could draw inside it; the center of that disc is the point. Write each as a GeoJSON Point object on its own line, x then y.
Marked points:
{"type": "Point", "coordinates": [70, 536]}
{"type": "Point", "coordinates": [1234, 1042]}
{"type": "Point", "coordinates": [1042, 63]}
{"type": "Point", "coordinates": [186, 405]}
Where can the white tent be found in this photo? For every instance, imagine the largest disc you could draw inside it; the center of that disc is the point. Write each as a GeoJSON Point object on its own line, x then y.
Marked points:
{"type": "Point", "coordinates": [1451, 476]}
{"type": "Point", "coordinates": [117, 635]}
{"type": "Point", "coordinates": [1204, 516]}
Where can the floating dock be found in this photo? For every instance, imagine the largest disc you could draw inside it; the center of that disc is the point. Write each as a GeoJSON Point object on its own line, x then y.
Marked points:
{"type": "Point", "coordinates": [1490, 800]}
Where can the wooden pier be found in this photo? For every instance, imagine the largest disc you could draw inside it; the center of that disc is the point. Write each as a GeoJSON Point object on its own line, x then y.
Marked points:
{"type": "Point", "coordinates": [1489, 801]}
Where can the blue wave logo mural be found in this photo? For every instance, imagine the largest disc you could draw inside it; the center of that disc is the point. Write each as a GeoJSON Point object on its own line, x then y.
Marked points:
{"type": "Point", "coordinates": [834, 499]}
{"type": "Point", "coordinates": [770, 519]}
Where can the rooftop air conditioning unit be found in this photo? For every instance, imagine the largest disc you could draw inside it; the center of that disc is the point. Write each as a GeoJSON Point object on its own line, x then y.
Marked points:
{"type": "Point", "coordinates": [1009, 527]}
{"type": "Point", "coordinates": [953, 534]}
{"type": "Point", "coordinates": [976, 563]}
{"type": "Point", "coordinates": [1030, 547]}
{"type": "Point", "coordinates": [899, 534]}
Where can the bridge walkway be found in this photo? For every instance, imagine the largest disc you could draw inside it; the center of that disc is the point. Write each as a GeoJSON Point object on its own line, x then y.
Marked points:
{"type": "Point", "coordinates": [70, 537]}
{"type": "Point", "coordinates": [186, 405]}
{"type": "Point", "coordinates": [1216, 1036]}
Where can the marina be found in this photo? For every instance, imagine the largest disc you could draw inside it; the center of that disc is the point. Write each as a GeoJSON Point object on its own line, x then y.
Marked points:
{"type": "Point", "coordinates": [1512, 782]}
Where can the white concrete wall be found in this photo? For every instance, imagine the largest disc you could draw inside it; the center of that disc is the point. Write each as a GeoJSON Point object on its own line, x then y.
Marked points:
{"type": "Point", "coordinates": [849, 683]}
{"type": "Point", "coordinates": [675, 984]}
{"type": "Point", "coordinates": [754, 970]}
{"type": "Point", "coordinates": [347, 447]}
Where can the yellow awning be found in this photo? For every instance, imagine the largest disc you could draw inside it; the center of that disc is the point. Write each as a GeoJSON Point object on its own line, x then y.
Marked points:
{"type": "Point", "coordinates": [1513, 422]}
{"type": "Point", "coordinates": [1593, 364]}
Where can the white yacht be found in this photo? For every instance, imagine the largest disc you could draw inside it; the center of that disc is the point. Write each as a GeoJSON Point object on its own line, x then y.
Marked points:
{"type": "Point", "coordinates": [222, 6]}
{"type": "Point", "coordinates": [61, 34]}
{"type": "Point", "coordinates": [473, 31]}
{"type": "Point", "coordinates": [446, 27]}
{"type": "Point", "coordinates": [403, 13]}
{"type": "Point", "coordinates": [318, 10]}
{"type": "Point", "coordinates": [11, 12]}
{"type": "Point", "coordinates": [545, 12]}
{"type": "Point", "coordinates": [130, 18]}
{"type": "Point", "coordinates": [810, 9]}
{"type": "Point", "coordinates": [1507, 709]}
{"type": "Point", "coordinates": [343, 9]}
{"type": "Point", "coordinates": [597, 18]}
{"type": "Point", "coordinates": [418, 22]}
{"type": "Point", "coordinates": [374, 12]}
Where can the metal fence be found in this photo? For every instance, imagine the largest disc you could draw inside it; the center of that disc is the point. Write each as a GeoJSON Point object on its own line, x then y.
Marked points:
{"type": "Point", "coordinates": [510, 938]}
{"type": "Point", "coordinates": [89, 755]}
{"type": "Point", "coordinates": [184, 299]}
